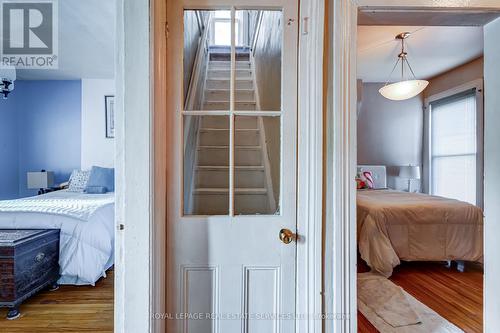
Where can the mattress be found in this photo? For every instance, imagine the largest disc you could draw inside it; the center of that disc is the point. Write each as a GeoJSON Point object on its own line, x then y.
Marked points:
{"type": "Point", "coordinates": [394, 226]}
{"type": "Point", "coordinates": [86, 222]}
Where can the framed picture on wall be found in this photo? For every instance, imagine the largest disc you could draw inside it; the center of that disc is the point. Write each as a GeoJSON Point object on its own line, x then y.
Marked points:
{"type": "Point", "coordinates": [110, 116]}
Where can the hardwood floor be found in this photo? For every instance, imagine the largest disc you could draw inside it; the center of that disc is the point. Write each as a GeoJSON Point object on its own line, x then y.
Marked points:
{"type": "Point", "coordinates": [68, 309]}
{"type": "Point", "coordinates": [456, 296]}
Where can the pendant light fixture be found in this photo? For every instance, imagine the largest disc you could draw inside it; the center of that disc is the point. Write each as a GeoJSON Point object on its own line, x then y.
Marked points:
{"type": "Point", "coordinates": [7, 78]}
{"type": "Point", "coordinates": [406, 88]}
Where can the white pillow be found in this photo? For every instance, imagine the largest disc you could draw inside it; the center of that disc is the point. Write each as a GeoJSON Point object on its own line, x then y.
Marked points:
{"type": "Point", "coordinates": [78, 180]}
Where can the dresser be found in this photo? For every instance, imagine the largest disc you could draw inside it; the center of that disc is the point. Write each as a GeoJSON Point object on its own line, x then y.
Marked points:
{"type": "Point", "coordinates": [28, 263]}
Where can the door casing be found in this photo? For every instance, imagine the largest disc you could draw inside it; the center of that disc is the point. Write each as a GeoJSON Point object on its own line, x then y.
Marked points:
{"type": "Point", "coordinates": [341, 155]}
{"type": "Point", "coordinates": [140, 147]}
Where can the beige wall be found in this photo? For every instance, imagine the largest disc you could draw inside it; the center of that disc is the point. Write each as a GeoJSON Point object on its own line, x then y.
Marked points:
{"type": "Point", "coordinates": [455, 77]}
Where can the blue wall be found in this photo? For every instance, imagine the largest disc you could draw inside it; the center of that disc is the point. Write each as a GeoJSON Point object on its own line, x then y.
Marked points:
{"type": "Point", "coordinates": [48, 128]}
{"type": "Point", "coordinates": [9, 181]}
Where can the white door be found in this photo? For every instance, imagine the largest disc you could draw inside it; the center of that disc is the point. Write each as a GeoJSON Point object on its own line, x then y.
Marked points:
{"type": "Point", "coordinates": [232, 131]}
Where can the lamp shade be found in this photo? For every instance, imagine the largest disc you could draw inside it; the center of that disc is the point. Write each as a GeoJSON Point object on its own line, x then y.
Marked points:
{"type": "Point", "coordinates": [409, 172]}
{"type": "Point", "coordinates": [41, 179]}
{"type": "Point", "coordinates": [402, 90]}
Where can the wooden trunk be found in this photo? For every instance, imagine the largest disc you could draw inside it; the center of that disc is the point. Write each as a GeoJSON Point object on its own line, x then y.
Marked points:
{"type": "Point", "coordinates": [28, 263]}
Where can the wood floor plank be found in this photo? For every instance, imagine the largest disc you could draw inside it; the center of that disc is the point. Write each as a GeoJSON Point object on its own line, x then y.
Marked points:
{"type": "Point", "coordinates": [68, 309]}
{"type": "Point", "coordinates": [456, 296]}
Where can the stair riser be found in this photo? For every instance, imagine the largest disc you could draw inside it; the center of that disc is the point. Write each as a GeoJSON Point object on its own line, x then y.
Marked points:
{"type": "Point", "coordinates": [224, 84]}
{"type": "Point", "coordinates": [225, 74]}
{"type": "Point", "coordinates": [218, 204]}
{"type": "Point", "coordinates": [224, 106]}
{"type": "Point", "coordinates": [220, 157]}
{"type": "Point", "coordinates": [226, 56]}
{"type": "Point", "coordinates": [223, 95]}
{"type": "Point", "coordinates": [211, 204]}
{"type": "Point", "coordinates": [220, 179]}
{"type": "Point", "coordinates": [251, 204]}
{"type": "Point", "coordinates": [221, 138]}
{"type": "Point", "coordinates": [223, 122]}
{"type": "Point", "coordinates": [227, 65]}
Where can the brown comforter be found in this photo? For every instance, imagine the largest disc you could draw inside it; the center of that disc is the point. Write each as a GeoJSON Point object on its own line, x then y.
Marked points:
{"type": "Point", "coordinates": [395, 225]}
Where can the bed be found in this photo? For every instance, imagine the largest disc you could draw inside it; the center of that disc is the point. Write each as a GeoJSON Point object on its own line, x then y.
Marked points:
{"type": "Point", "coordinates": [394, 225]}
{"type": "Point", "coordinates": [86, 222]}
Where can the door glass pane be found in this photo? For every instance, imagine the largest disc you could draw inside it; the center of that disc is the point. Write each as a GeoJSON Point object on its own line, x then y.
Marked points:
{"type": "Point", "coordinates": [259, 60]}
{"type": "Point", "coordinates": [257, 159]}
{"type": "Point", "coordinates": [257, 87]}
{"type": "Point", "coordinates": [206, 165]}
{"type": "Point", "coordinates": [207, 60]}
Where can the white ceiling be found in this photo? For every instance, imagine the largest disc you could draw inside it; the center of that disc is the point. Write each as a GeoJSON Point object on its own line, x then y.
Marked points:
{"type": "Point", "coordinates": [86, 42]}
{"type": "Point", "coordinates": [431, 50]}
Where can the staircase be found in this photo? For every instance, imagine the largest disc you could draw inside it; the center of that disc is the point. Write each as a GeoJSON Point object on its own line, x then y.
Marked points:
{"type": "Point", "coordinates": [253, 186]}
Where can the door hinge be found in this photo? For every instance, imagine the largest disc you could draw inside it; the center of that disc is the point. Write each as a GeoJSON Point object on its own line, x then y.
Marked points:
{"type": "Point", "coordinates": [121, 226]}
{"type": "Point", "coordinates": [166, 29]}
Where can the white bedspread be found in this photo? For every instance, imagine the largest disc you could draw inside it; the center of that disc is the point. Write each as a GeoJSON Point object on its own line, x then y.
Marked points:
{"type": "Point", "coordinates": [80, 207]}
{"type": "Point", "coordinates": [86, 222]}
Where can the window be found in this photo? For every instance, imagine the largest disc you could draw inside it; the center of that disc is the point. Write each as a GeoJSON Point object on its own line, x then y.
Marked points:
{"type": "Point", "coordinates": [221, 30]}
{"type": "Point", "coordinates": [454, 159]}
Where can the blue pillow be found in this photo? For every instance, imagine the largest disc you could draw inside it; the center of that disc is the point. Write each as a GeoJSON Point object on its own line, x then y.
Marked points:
{"type": "Point", "coordinates": [101, 177]}
{"type": "Point", "coordinates": [95, 189]}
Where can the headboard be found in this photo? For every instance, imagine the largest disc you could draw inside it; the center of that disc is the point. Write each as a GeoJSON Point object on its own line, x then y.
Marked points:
{"type": "Point", "coordinates": [379, 174]}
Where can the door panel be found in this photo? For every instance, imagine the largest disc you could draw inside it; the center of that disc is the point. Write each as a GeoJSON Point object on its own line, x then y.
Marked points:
{"type": "Point", "coordinates": [261, 296]}
{"type": "Point", "coordinates": [232, 135]}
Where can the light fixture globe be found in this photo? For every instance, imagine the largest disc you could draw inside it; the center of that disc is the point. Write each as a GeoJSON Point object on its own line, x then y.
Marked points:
{"type": "Point", "coordinates": [402, 90]}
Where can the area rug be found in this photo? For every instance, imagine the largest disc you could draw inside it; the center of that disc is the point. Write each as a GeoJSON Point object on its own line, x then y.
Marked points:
{"type": "Point", "coordinates": [391, 309]}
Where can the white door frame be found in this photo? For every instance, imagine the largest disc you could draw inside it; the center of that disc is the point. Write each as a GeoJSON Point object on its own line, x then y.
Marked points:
{"type": "Point", "coordinates": [134, 169]}
{"type": "Point", "coordinates": [340, 201]}
{"type": "Point", "coordinates": [140, 245]}
{"type": "Point", "coordinates": [310, 166]}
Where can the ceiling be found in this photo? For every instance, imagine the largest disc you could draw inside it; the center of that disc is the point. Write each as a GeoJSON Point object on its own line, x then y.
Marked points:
{"type": "Point", "coordinates": [86, 42]}
{"type": "Point", "coordinates": [426, 17]}
{"type": "Point", "coordinates": [432, 50]}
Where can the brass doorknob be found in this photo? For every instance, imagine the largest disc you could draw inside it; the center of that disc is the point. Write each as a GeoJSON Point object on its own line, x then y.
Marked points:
{"type": "Point", "coordinates": [287, 236]}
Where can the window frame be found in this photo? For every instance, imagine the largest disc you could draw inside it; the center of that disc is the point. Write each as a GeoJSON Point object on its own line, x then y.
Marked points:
{"type": "Point", "coordinates": [477, 86]}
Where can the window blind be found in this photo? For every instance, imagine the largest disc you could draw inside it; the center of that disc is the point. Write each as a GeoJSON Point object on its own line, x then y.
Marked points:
{"type": "Point", "coordinates": [454, 147]}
